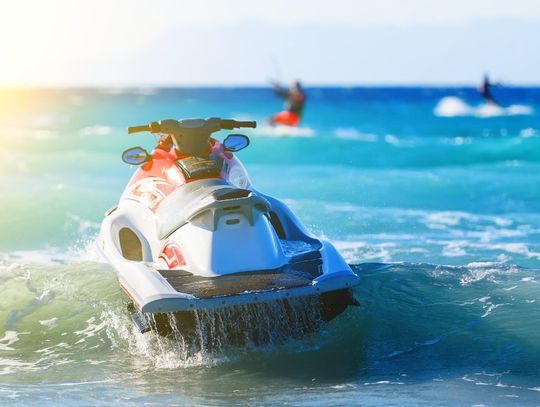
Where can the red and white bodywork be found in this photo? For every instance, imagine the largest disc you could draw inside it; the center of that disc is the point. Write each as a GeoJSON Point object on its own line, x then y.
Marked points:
{"type": "Point", "coordinates": [171, 232]}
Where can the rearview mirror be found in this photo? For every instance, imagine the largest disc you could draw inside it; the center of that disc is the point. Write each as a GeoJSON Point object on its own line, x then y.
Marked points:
{"type": "Point", "coordinates": [135, 156]}
{"type": "Point", "coordinates": [235, 142]}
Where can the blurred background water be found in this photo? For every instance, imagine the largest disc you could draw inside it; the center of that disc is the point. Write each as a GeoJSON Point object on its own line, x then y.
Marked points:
{"type": "Point", "coordinates": [432, 194]}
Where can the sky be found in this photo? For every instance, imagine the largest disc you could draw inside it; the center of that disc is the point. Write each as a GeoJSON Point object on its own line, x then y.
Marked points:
{"type": "Point", "coordinates": [247, 42]}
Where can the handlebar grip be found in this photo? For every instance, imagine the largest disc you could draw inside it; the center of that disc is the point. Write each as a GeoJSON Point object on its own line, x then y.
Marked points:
{"type": "Point", "coordinates": [234, 124]}
{"type": "Point", "coordinates": [250, 124]}
{"type": "Point", "coordinates": [138, 129]}
{"type": "Point", "coordinates": [154, 127]}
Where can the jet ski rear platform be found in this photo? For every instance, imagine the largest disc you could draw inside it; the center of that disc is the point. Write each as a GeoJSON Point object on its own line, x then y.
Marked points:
{"type": "Point", "coordinates": [306, 274]}
{"type": "Point", "coordinates": [302, 278]}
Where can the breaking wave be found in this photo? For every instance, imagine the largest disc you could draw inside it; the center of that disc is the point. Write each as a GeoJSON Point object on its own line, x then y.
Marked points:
{"type": "Point", "coordinates": [68, 323]}
{"type": "Point", "coordinates": [51, 314]}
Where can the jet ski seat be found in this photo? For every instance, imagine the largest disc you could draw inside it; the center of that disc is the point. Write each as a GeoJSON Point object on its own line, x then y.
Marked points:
{"type": "Point", "coordinates": [206, 201]}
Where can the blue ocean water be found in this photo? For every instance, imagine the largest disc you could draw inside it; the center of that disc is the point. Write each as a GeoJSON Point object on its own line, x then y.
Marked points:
{"type": "Point", "coordinates": [434, 197]}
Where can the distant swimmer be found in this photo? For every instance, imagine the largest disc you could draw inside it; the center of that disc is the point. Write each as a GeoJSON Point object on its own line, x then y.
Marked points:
{"type": "Point", "coordinates": [485, 91]}
{"type": "Point", "coordinates": [295, 100]}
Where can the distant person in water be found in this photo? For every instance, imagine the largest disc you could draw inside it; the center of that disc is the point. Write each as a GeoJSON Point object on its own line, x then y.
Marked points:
{"type": "Point", "coordinates": [485, 91]}
{"type": "Point", "coordinates": [295, 100]}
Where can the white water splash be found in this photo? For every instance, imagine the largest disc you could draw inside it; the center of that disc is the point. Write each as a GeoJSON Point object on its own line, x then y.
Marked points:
{"type": "Point", "coordinates": [480, 271]}
{"type": "Point", "coordinates": [205, 337]}
{"type": "Point", "coordinates": [49, 323]}
{"type": "Point", "coordinates": [284, 131]}
{"type": "Point", "coordinates": [354, 250]}
{"type": "Point", "coordinates": [451, 106]}
{"type": "Point", "coordinates": [353, 134]}
{"type": "Point", "coordinates": [10, 337]}
{"type": "Point", "coordinates": [85, 252]}
{"type": "Point", "coordinates": [294, 247]}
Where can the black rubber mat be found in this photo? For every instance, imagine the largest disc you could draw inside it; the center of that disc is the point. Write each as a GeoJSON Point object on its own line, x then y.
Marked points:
{"type": "Point", "coordinates": [289, 276]}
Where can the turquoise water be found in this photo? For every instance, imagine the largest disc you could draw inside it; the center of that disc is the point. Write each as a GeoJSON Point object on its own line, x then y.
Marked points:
{"type": "Point", "coordinates": [433, 196]}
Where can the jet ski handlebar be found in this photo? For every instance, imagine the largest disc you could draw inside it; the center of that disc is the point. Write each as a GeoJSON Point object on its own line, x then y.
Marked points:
{"type": "Point", "coordinates": [138, 129]}
{"type": "Point", "coordinates": [207, 126]}
{"type": "Point", "coordinates": [235, 124]}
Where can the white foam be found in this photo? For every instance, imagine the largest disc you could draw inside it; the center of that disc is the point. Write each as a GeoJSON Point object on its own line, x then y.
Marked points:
{"type": "Point", "coordinates": [49, 323]}
{"type": "Point", "coordinates": [10, 337]}
{"type": "Point", "coordinates": [458, 141]}
{"type": "Point", "coordinates": [51, 350]}
{"type": "Point", "coordinates": [458, 248]}
{"type": "Point", "coordinates": [382, 382]}
{"type": "Point", "coordinates": [391, 139]}
{"type": "Point", "coordinates": [343, 386]}
{"type": "Point", "coordinates": [92, 329]}
{"type": "Point", "coordinates": [454, 249]}
{"type": "Point", "coordinates": [353, 134]}
{"type": "Point", "coordinates": [13, 366]}
{"type": "Point", "coordinates": [353, 250]}
{"type": "Point", "coordinates": [517, 248]}
{"type": "Point", "coordinates": [54, 255]}
{"type": "Point", "coordinates": [479, 271]}
{"type": "Point", "coordinates": [46, 257]}
{"type": "Point", "coordinates": [199, 348]}
{"type": "Point", "coordinates": [284, 131]}
{"type": "Point", "coordinates": [438, 220]}
{"type": "Point", "coordinates": [528, 132]}
{"type": "Point", "coordinates": [482, 264]}
{"type": "Point", "coordinates": [444, 220]}
{"type": "Point", "coordinates": [430, 342]}
{"type": "Point", "coordinates": [294, 247]}
{"type": "Point", "coordinates": [84, 224]}
{"type": "Point", "coordinates": [456, 233]}
{"type": "Point", "coordinates": [452, 106]}
{"type": "Point", "coordinates": [489, 309]}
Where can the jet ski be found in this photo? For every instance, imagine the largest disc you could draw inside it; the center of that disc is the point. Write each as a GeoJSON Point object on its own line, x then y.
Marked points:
{"type": "Point", "coordinates": [190, 233]}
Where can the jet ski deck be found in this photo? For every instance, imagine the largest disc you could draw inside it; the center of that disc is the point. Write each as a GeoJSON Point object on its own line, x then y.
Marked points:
{"type": "Point", "coordinates": [290, 276]}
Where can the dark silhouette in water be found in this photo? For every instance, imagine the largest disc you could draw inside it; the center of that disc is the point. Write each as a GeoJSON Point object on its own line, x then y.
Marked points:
{"type": "Point", "coordinates": [485, 90]}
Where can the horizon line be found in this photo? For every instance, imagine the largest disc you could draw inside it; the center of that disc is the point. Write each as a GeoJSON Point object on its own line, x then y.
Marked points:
{"type": "Point", "coordinates": [259, 85]}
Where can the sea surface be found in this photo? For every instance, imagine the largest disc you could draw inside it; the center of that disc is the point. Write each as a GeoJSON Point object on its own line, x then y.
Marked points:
{"type": "Point", "coordinates": [433, 196]}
